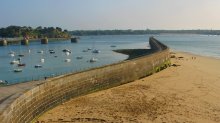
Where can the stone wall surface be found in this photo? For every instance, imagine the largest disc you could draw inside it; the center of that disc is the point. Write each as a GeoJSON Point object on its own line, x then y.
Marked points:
{"type": "Point", "coordinates": [36, 101]}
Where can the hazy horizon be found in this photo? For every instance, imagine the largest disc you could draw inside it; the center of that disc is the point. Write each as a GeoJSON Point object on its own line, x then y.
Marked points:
{"type": "Point", "coordinates": [112, 14]}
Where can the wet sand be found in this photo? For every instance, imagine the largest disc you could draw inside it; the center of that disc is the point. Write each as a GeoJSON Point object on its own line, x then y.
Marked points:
{"type": "Point", "coordinates": [187, 92]}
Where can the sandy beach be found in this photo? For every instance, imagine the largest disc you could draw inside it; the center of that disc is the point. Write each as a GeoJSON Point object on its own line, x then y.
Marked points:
{"type": "Point", "coordinates": [187, 92]}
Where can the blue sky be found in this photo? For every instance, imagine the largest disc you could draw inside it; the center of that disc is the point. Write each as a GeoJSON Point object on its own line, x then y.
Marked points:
{"type": "Point", "coordinates": [112, 14]}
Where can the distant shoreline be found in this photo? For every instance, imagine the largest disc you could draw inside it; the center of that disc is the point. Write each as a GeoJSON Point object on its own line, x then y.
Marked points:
{"type": "Point", "coordinates": [142, 32]}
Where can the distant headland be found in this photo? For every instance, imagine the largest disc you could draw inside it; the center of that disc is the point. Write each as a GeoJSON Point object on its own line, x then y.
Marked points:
{"type": "Point", "coordinates": [33, 33]}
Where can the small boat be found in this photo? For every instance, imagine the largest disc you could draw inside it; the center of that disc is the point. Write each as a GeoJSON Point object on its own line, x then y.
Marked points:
{"type": "Point", "coordinates": [29, 51]}
{"type": "Point", "coordinates": [38, 66]}
{"type": "Point", "coordinates": [67, 50]}
{"type": "Point", "coordinates": [55, 56]}
{"type": "Point", "coordinates": [67, 60]}
{"type": "Point", "coordinates": [42, 60]}
{"type": "Point", "coordinates": [89, 49]}
{"type": "Point", "coordinates": [21, 55]}
{"type": "Point", "coordinates": [79, 57]}
{"type": "Point", "coordinates": [52, 52]}
{"type": "Point", "coordinates": [93, 60]}
{"type": "Point", "coordinates": [41, 51]}
{"type": "Point", "coordinates": [21, 64]}
{"type": "Point", "coordinates": [2, 82]}
{"type": "Point", "coordinates": [96, 51]}
{"type": "Point", "coordinates": [17, 70]}
{"type": "Point", "coordinates": [12, 54]}
{"type": "Point", "coordinates": [67, 53]}
{"type": "Point", "coordinates": [15, 62]}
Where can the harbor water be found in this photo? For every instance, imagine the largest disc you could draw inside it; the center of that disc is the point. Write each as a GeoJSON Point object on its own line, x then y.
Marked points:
{"type": "Point", "coordinates": [54, 64]}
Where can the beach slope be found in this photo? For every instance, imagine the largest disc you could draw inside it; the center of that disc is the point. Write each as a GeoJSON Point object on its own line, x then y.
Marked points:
{"type": "Point", "coordinates": [188, 91]}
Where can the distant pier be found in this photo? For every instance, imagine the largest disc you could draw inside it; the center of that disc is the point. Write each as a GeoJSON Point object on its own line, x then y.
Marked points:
{"type": "Point", "coordinates": [74, 39]}
{"type": "Point", "coordinates": [25, 41]}
{"type": "Point", "coordinates": [44, 41]}
{"type": "Point", "coordinates": [3, 42]}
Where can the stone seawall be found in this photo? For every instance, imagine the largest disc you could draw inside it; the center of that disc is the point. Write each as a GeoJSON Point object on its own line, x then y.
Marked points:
{"type": "Point", "coordinates": [36, 101]}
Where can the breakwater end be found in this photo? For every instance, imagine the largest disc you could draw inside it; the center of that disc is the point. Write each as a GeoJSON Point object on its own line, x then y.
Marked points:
{"type": "Point", "coordinates": [134, 53]}
{"type": "Point", "coordinates": [28, 102]}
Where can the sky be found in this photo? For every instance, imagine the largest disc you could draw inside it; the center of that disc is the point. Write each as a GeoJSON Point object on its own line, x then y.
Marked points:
{"type": "Point", "coordinates": [112, 14]}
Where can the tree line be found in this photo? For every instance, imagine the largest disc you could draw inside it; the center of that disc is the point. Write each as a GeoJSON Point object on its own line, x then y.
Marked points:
{"type": "Point", "coordinates": [33, 33]}
{"type": "Point", "coordinates": [57, 32]}
{"type": "Point", "coordinates": [142, 32]}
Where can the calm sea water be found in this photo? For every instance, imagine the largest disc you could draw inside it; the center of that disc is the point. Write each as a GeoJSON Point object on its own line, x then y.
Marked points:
{"type": "Point", "coordinates": [53, 66]}
{"type": "Point", "coordinates": [197, 44]}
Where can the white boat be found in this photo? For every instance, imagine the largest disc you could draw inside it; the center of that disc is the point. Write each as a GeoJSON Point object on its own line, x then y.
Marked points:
{"type": "Point", "coordinates": [2, 82]}
{"type": "Point", "coordinates": [42, 60]}
{"type": "Point", "coordinates": [15, 62]}
{"type": "Point", "coordinates": [79, 57]}
{"type": "Point", "coordinates": [11, 53]}
{"type": "Point", "coordinates": [52, 52]}
{"type": "Point", "coordinates": [93, 60]}
{"type": "Point", "coordinates": [96, 51]}
{"type": "Point", "coordinates": [67, 60]}
{"type": "Point", "coordinates": [67, 50]}
{"type": "Point", "coordinates": [67, 53]}
{"type": "Point", "coordinates": [17, 70]}
{"type": "Point", "coordinates": [38, 66]}
{"type": "Point", "coordinates": [41, 51]}
{"type": "Point", "coordinates": [29, 51]}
